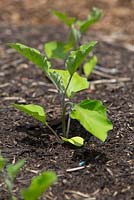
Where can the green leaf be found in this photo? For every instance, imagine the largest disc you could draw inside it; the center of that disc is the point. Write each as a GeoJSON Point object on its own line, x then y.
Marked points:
{"type": "Point", "coordinates": [93, 18]}
{"type": "Point", "coordinates": [39, 185]}
{"type": "Point", "coordinates": [56, 79]}
{"type": "Point", "coordinates": [76, 141]}
{"type": "Point", "coordinates": [13, 169]}
{"type": "Point", "coordinates": [33, 110]}
{"type": "Point", "coordinates": [55, 50]}
{"type": "Point", "coordinates": [2, 162]}
{"type": "Point", "coordinates": [73, 39]}
{"type": "Point", "coordinates": [77, 83]}
{"type": "Point", "coordinates": [9, 185]}
{"type": "Point", "coordinates": [92, 116]}
{"type": "Point", "coordinates": [14, 198]}
{"type": "Point", "coordinates": [76, 58]}
{"type": "Point", "coordinates": [33, 55]}
{"type": "Point", "coordinates": [89, 65]}
{"type": "Point", "coordinates": [64, 18]}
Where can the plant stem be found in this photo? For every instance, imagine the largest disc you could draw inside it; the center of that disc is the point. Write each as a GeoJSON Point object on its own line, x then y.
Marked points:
{"type": "Point", "coordinates": [68, 126]}
{"type": "Point", "coordinates": [64, 108]}
{"type": "Point", "coordinates": [51, 129]}
{"type": "Point", "coordinates": [63, 118]}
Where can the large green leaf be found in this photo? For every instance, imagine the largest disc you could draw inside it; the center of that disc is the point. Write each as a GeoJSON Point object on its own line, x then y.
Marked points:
{"type": "Point", "coordinates": [94, 17]}
{"type": "Point", "coordinates": [33, 110]}
{"type": "Point", "coordinates": [89, 65]}
{"type": "Point", "coordinates": [76, 58]}
{"type": "Point", "coordinates": [76, 141]}
{"type": "Point", "coordinates": [77, 83]}
{"type": "Point", "coordinates": [92, 116]}
{"type": "Point", "coordinates": [39, 185]}
{"type": "Point", "coordinates": [13, 169]}
{"type": "Point", "coordinates": [55, 49]}
{"type": "Point", "coordinates": [64, 18]}
{"type": "Point", "coordinates": [33, 55]}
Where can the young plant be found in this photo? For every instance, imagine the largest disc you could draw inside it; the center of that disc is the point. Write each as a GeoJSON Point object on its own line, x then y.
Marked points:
{"type": "Point", "coordinates": [9, 173]}
{"type": "Point", "coordinates": [77, 28]}
{"type": "Point", "coordinates": [38, 186]}
{"type": "Point", "coordinates": [90, 113]}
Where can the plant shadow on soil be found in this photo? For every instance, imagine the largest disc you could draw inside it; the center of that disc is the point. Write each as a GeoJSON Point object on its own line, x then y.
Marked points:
{"type": "Point", "coordinates": [39, 137]}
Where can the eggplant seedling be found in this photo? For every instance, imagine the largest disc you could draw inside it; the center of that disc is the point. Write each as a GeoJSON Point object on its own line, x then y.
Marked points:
{"type": "Point", "coordinates": [90, 113]}
{"type": "Point", "coordinates": [39, 184]}
{"type": "Point", "coordinates": [77, 29]}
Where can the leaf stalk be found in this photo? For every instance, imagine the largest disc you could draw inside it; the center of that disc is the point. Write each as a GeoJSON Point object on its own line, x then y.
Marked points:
{"type": "Point", "coordinates": [63, 104]}
{"type": "Point", "coordinates": [52, 130]}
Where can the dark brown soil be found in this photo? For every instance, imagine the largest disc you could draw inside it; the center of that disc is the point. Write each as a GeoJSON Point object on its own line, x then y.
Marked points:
{"type": "Point", "coordinates": [108, 173]}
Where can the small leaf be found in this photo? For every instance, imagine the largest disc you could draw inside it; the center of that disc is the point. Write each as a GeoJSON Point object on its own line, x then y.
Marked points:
{"type": "Point", "coordinates": [56, 79]}
{"type": "Point", "coordinates": [33, 55]}
{"type": "Point", "coordinates": [55, 50]}
{"type": "Point", "coordinates": [39, 185]}
{"type": "Point", "coordinates": [9, 185]}
{"type": "Point", "coordinates": [13, 169]}
{"type": "Point", "coordinates": [92, 116]}
{"type": "Point", "coordinates": [14, 198]}
{"type": "Point", "coordinates": [73, 39]}
{"type": "Point", "coordinates": [76, 141]}
{"type": "Point", "coordinates": [89, 65]}
{"type": "Point", "coordinates": [33, 110]}
{"type": "Point", "coordinates": [2, 162]}
{"type": "Point", "coordinates": [76, 58]}
{"type": "Point", "coordinates": [64, 18]}
{"type": "Point", "coordinates": [77, 83]}
{"type": "Point", "coordinates": [94, 17]}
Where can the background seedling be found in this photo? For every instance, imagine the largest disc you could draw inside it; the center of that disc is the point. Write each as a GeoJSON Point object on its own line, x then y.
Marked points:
{"type": "Point", "coordinates": [77, 28]}
{"type": "Point", "coordinates": [90, 113]}
{"type": "Point", "coordinates": [39, 184]}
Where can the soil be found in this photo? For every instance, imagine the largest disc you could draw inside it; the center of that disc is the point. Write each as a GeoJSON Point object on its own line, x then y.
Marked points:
{"type": "Point", "coordinates": [108, 170]}
{"type": "Point", "coordinates": [108, 173]}
{"type": "Point", "coordinates": [116, 24]}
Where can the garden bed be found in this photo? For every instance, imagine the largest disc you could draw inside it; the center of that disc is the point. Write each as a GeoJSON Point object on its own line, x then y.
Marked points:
{"type": "Point", "coordinates": [108, 170]}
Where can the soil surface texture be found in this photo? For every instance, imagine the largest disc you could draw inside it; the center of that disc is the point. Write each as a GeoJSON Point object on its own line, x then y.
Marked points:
{"type": "Point", "coordinates": [108, 170]}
